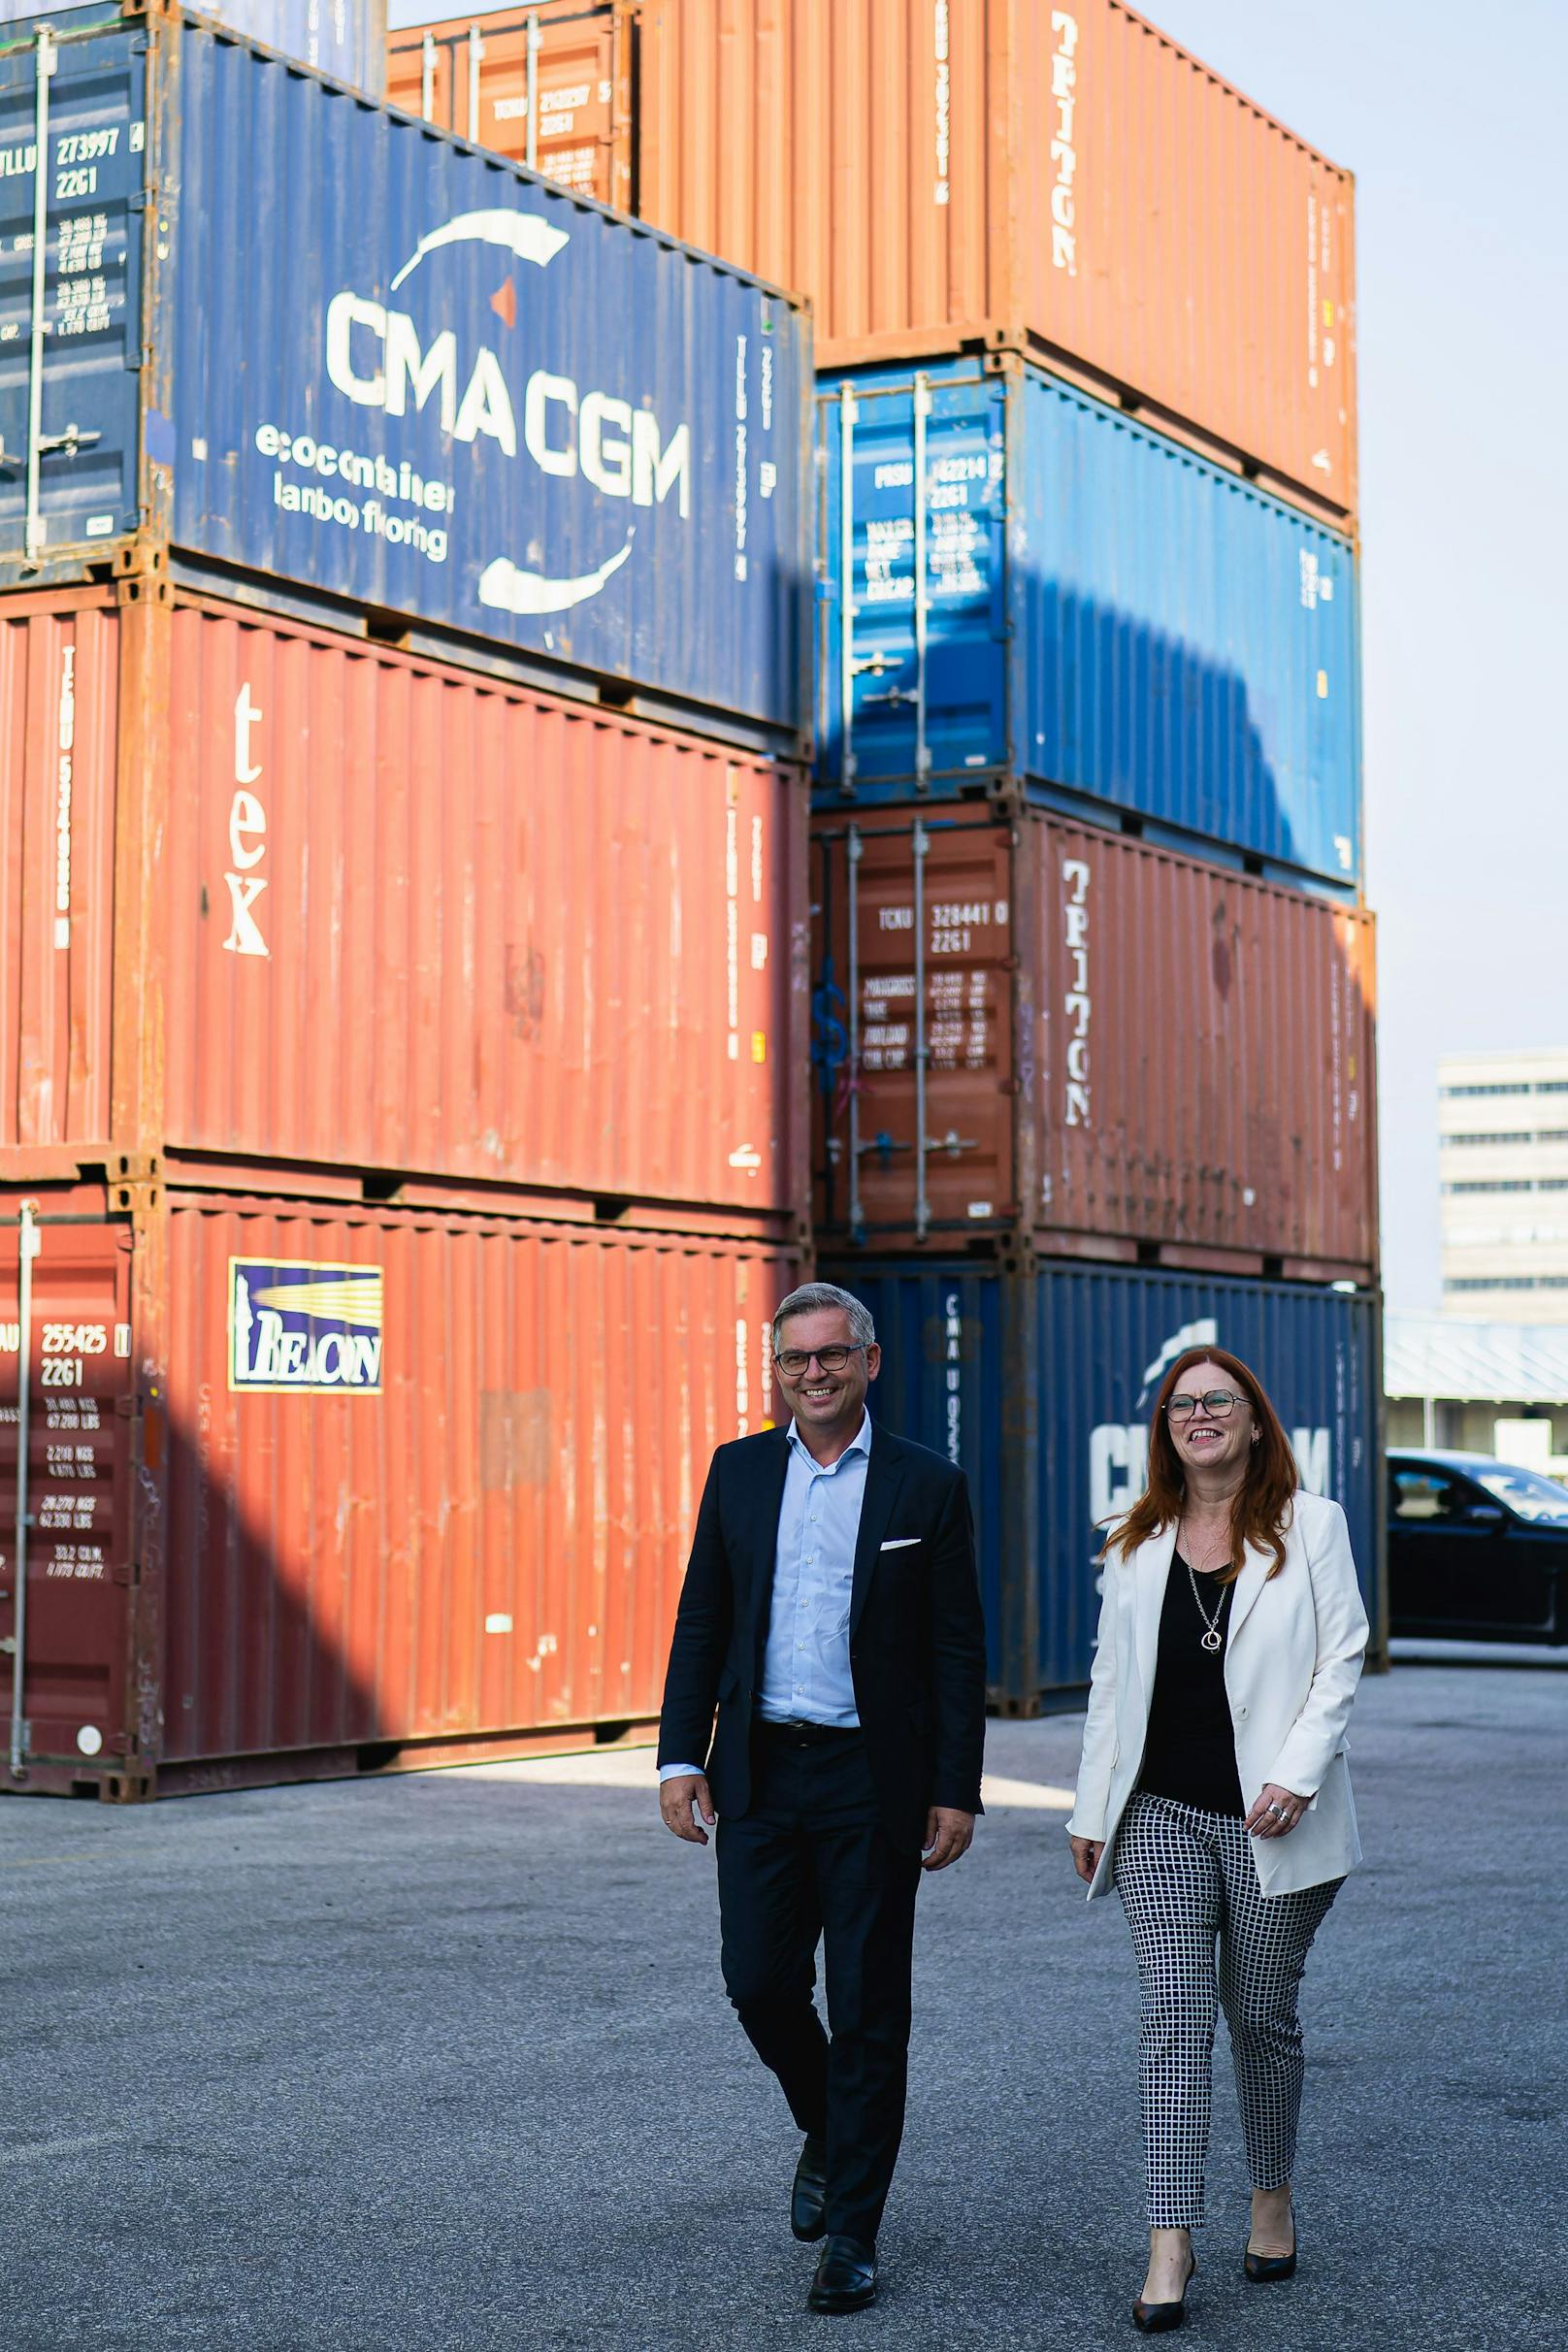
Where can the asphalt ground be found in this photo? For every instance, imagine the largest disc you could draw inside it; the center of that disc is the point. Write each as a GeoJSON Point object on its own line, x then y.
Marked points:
{"type": "Point", "coordinates": [444, 2061]}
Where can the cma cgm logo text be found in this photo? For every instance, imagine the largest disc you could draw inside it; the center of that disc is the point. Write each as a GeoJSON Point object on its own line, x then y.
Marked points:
{"type": "Point", "coordinates": [378, 357]}
{"type": "Point", "coordinates": [298, 1325]}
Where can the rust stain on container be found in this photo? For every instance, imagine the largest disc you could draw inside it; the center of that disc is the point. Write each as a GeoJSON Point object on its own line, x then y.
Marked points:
{"type": "Point", "coordinates": [1125, 1049]}
{"type": "Point", "coordinates": [936, 174]}
{"type": "Point", "coordinates": [411, 918]}
{"type": "Point", "coordinates": [423, 1479]}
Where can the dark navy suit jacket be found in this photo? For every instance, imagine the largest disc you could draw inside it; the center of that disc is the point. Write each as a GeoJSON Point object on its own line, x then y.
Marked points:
{"type": "Point", "coordinates": [917, 1644]}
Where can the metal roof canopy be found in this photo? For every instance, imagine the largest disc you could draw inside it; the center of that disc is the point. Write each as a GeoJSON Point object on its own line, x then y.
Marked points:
{"type": "Point", "coordinates": [1444, 1356]}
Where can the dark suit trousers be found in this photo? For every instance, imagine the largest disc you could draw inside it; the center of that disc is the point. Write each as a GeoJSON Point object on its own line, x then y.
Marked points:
{"type": "Point", "coordinates": [810, 1860]}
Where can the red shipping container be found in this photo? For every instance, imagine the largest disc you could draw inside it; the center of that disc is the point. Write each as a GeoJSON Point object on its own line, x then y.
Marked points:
{"type": "Point", "coordinates": [316, 1491]}
{"type": "Point", "coordinates": [942, 175]}
{"type": "Point", "coordinates": [1119, 1052]}
{"type": "Point", "coordinates": [377, 914]}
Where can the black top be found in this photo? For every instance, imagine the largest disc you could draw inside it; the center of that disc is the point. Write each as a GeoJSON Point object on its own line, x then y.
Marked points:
{"type": "Point", "coordinates": [1191, 1751]}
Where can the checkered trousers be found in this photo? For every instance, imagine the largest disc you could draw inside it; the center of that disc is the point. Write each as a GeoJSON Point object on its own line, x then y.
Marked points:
{"type": "Point", "coordinates": [1189, 1884]}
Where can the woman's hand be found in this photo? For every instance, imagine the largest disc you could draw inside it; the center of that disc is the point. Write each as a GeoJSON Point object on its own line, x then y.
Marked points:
{"type": "Point", "coordinates": [1085, 1855]}
{"type": "Point", "coordinates": [1275, 1811]}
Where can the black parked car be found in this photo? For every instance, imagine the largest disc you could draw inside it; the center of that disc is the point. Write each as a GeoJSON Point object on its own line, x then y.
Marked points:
{"type": "Point", "coordinates": [1478, 1550]}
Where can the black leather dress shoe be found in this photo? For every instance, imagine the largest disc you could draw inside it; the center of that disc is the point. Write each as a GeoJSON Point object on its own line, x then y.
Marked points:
{"type": "Point", "coordinates": [1159, 2319]}
{"type": "Point", "coordinates": [1264, 2269]}
{"type": "Point", "coordinates": [846, 2276]}
{"type": "Point", "coordinates": [809, 2192]}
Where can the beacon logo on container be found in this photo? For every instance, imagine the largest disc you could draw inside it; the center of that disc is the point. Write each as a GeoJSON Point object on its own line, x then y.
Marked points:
{"type": "Point", "coordinates": [298, 1325]}
{"type": "Point", "coordinates": [382, 355]}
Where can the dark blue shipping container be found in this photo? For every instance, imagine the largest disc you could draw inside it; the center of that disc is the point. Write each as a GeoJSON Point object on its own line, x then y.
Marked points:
{"type": "Point", "coordinates": [312, 344]}
{"type": "Point", "coordinates": [1039, 1385]}
{"type": "Point", "coordinates": [343, 38]}
{"type": "Point", "coordinates": [1083, 606]}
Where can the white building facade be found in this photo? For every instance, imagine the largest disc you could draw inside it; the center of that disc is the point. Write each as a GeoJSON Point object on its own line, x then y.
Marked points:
{"type": "Point", "coordinates": [1503, 1157]}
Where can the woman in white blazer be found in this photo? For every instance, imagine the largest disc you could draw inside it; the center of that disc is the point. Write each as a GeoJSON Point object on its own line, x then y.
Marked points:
{"type": "Point", "coordinates": [1213, 1792]}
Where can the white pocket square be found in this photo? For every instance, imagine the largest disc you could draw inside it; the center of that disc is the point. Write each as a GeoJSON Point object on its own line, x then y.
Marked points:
{"type": "Point", "coordinates": [897, 1543]}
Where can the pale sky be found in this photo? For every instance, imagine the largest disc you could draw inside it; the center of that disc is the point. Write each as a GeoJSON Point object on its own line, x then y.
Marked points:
{"type": "Point", "coordinates": [1451, 120]}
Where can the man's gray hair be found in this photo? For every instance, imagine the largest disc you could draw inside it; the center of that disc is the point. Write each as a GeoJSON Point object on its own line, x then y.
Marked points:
{"type": "Point", "coordinates": [810, 1299]}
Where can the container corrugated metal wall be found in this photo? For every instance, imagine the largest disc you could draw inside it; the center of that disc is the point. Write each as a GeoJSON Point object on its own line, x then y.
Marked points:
{"type": "Point", "coordinates": [1103, 613]}
{"type": "Point", "coordinates": [59, 766]}
{"type": "Point", "coordinates": [478, 75]}
{"type": "Point", "coordinates": [386, 1493]}
{"type": "Point", "coordinates": [1122, 1048]}
{"type": "Point", "coordinates": [563, 949]}
{"type": "Point", "coordinates": [469, 399]}
{"type": "Point", "coordinates": [343, 38]}
{"type": "Point", "coordinates": [1087, 1345]}
{"type": "Point", "coordinates": [938, 171]}
{"type": "Point", "coordinates": [411, 918]}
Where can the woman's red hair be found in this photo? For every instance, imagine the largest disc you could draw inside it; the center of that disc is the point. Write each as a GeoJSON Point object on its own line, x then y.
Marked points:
{"type": "Point", "coordinates": [1261, 1508]}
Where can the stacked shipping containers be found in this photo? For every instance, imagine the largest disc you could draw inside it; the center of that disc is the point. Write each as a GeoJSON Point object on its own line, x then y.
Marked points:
{"type": "Point", "coordinates": [1094, 989]}
{"type": "Point", "coordinates": [1094, 1001]}
{"type": "Point", "coordinates": [403, 693]}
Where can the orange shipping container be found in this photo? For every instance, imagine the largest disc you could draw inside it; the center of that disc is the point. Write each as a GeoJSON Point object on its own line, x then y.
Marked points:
{"type": "Point", "coordinates": [547, 86]}
{"type": "Point", "coordinates": [941, 175]}
{"type": "Point", "coordinates": [1108, 1049]}
{"type": "Point", "coordinates": [319, 1490]}
{"type": "Point", "coordinates": [374, 913]}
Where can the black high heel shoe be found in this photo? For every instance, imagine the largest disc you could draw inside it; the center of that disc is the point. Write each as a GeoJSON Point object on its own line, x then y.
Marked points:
{"type": "Point", "coordinates": [1157, 2319]}
{"type": "Point", "coordinates": [1264, 2269]}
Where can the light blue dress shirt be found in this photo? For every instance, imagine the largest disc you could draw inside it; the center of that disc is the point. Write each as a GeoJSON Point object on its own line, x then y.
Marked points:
{"type": "Point", "coordinates": [805, 1663]}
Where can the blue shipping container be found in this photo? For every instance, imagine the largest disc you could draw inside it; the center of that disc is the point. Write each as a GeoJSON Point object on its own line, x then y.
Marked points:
{"type": "Point", "coordinates": [296, 336]}
{"type": "Point", "coordinates": [1074, 602]}
{"type": "Point", "coordinates": [343, 38]}
{"type": "Point", "coordinates": [1039, 1385]}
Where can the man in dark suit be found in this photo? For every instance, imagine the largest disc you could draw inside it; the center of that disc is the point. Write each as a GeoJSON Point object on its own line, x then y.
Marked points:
{"type": "Point", "coordinates": [831, 1614]}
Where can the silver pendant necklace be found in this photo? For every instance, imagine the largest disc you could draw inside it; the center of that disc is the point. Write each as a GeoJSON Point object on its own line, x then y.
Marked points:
{"type": "Point", "coordinates": [1211, 1639]}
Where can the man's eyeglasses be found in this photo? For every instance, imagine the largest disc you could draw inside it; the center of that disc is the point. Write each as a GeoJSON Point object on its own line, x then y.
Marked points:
{"type": "Point", "coordinates": [792, 1362]}
{"type": "Point", "coordinates": [1218, 1404]}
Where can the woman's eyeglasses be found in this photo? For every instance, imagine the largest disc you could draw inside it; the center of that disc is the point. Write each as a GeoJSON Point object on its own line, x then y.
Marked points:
{"type": "Point", "coordinates": [1218, 1404]}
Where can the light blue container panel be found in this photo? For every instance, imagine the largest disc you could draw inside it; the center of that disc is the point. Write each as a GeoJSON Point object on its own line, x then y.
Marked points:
{"type": "Point", "coordinates": [388, 369]}
{"type": "Point", "coordinates": [1126, 630]}
{"type": "Point", "coordinates": [89, 442]}
{"type": "Point", "coordinates": [954, 647]}
{"type": "Point", "coordinates": [343, 38]}
{"type": "Point", "coordinates": [1041, 1386]}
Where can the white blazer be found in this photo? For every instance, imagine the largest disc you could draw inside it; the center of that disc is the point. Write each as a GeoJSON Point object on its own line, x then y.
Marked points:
{"type": "Point", "coordinates": [1293, 1661]}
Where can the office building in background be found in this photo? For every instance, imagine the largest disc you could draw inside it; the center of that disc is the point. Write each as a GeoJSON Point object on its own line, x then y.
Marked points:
{"type": "Point", "coordinates": [1503, 1156]}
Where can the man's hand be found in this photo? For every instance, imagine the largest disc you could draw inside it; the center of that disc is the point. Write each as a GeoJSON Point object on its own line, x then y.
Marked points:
{"type": "Point", "coordinates": [1085, 1855]}
{"type": "Point", "coordinates": [947, 1836]}
{"type": "Point", "coordinates": [682, 1798]}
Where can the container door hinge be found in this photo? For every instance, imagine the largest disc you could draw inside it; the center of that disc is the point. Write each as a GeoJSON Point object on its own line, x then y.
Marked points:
{"type": "Point", "coordinates": [129, 1572]}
